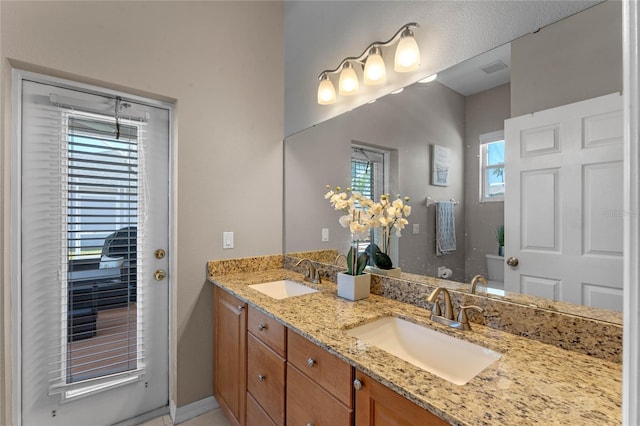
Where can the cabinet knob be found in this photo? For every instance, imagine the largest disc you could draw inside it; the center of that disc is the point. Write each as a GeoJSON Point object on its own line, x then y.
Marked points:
{"type": "Point", "coordinates": [262, 326]}
{"type": "Point", "coordinates": [357, 384]}
{"type": "Point", "coordinates": [311, 362]}
{"type": "Point", "coordinates": [240, 307]}
{"type": "Point", "coordinates": [261, 377]}
{"type": "Point", "coordinates": [309, 424]}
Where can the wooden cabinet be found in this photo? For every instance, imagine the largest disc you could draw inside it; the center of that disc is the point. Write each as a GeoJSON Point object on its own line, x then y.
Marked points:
{"type": "Point", "coordinates": [230, 355]}
{"type": "Point", "coordinates": [319, 385]}
{"type": "Point", "coordinates": [266, 366]}
{"type": "Point", "coordinates": [377, 405]}
{"type": "Point", "coordinates": [268, 375]}
{"type": "Point", "coordinates": [256, 415]}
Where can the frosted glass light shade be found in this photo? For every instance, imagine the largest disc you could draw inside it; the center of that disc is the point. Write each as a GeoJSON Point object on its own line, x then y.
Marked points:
{"type": "Point", "coordinates": [407, 53]}
{"type": "Point", "coordinates": [326, 91]}
{"type": "Point", "coordinates": [348, 84]}
{"type": "Point", "coordinates": [375, 71]}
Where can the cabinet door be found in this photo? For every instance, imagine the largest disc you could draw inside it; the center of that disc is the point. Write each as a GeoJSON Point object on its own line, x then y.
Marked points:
{"type": "Point", "coordinates": [268, 330]}
{"type": "Point", "coordinates": [266, 378]}
{"type": "Point", "coordinates": [326, 369]}
{"type": "Point", "coordinates": [377, 405]}
{"type": "Point", "coordinates": [256, 415]}
{"type": "Point", "coordinates": [310, 404]}
{"type": "Point", "coordinates": [230, 355]}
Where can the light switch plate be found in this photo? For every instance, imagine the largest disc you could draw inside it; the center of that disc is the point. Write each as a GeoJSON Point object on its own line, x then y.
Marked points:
{"type": "Point", "coordinates": [325, 235]}
{"type": "Point", "coordinates": [227, 240]}
{"type": "Point", "coordinates": [416, 228]}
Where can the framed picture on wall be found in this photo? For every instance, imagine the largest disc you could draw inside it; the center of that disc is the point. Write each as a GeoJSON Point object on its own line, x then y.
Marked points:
{"type": "Point", "coordinates": [440, 166]}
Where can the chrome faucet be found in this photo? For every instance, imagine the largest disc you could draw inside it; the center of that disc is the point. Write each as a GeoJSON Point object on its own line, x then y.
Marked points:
{"type": "Point", "coordinates": [448, 307]}
{"type": "Point", "coordinates": [311, 274]}
{"type": "Point", "coordinates": [447, 319]}
{"type": "Point", "coordinates": [474, 282]}
{"type": "Point", "coordinates": [335, 262]}
{"type": "Point", "coordinates": [462, 316]}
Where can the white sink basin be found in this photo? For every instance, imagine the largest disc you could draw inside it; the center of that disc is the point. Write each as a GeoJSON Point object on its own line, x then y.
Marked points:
{"type": "Point", "coordinates": [283, 289]}
{"type": "Point", "coordinates": [455, 360]}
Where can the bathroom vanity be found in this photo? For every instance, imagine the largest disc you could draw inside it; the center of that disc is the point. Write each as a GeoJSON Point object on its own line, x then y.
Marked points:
{"type": "Point", "coordinates": [309, 362]}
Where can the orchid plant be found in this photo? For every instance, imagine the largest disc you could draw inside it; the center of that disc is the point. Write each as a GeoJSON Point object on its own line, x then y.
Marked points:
{"type": "Point", "coordinates": [361, 214]}
{"type": "Point", "coordinates": [392, 219]}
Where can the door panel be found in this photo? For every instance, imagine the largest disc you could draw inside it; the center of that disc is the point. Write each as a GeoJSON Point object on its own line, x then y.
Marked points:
{"type": "Point", "coordinates": [94, 208]}
{"type": "Point", "coordinates": [565, 221]}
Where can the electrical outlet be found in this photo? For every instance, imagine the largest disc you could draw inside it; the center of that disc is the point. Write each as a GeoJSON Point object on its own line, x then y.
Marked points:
{"type": "Point", "coordinates": [227, 240]}
{"type": "Point", "coordinates": [325, 235]}
{"type": "Point", "coordinates": [416, 228]}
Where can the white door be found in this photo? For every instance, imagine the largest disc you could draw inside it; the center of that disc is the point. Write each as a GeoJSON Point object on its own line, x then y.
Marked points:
{"type": "Point", "coordinates": [564, 221]}
{"type": "Point", "coordinates": [94, 180]}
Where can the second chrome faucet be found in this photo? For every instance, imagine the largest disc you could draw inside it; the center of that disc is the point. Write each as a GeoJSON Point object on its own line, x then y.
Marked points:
{"type": "Point", "coordinates": [462, 321]}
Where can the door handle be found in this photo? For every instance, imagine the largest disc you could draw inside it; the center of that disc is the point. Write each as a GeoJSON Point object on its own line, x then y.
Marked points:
{"type": "Point", "coordinates": [160, 275]}
{"type": "Point", "coordinates": [513, 261]}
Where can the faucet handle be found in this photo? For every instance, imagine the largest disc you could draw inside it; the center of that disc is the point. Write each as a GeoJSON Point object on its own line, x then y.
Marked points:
{"type": "Point", "coordinates": [463, 319]}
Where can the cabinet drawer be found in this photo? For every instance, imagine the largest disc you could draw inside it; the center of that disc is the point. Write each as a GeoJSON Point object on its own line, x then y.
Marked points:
{"type": "Point", "coordinates": [256, 415]}
{"type": "Point", "coordinates": [326, 369]}
{"type": "Point", "coordinates": [309, 404]}
{"type": "Point", "coordinates": [268, 330]}
{"type": "Point", "coordinates": [266, 378]}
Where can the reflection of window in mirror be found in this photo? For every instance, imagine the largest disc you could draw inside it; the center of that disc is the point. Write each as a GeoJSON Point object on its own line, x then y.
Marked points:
{"type": "Point", "coordinates": [492, 166]}
{"type": "Point", "coordinates": [368, 175]}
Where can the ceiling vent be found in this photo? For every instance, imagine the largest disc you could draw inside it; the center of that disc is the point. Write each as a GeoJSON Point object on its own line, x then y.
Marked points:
{"type": "Point", "coordinates": [493, 67]}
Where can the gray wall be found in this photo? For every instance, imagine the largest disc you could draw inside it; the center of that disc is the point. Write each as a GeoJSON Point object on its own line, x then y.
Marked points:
{"type": "Point", "coordinates": [408, 123]}
{"type": "Point", "coordinates": [576, 59]}
{"type": "Point", "coordinates": [319, 34]}
{"type": "Point", "coordinates": [485, 112]}
{"type": "Point", "coordinates": [227, 129]}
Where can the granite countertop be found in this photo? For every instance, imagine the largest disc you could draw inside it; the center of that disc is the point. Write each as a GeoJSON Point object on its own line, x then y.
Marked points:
{"type": "Point", "coordinates": [532, 383]}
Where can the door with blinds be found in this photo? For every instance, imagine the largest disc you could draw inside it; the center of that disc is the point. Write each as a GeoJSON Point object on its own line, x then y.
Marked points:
{"type": "Point", "coordinates": [94, 203]}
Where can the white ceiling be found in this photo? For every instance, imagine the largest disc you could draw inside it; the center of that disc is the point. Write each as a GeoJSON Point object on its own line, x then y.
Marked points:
{"type": "Point", "coordinates": [468, 77]}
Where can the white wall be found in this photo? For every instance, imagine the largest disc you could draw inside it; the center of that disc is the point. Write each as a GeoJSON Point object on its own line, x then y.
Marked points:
{"type": "Point", "coordinates": [319, 34]}
{"type": "Point", "coordinates": [213, 59]}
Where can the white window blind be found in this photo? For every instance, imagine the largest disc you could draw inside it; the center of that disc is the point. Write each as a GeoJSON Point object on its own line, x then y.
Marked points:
{"type": "Point", "coordinates": [83, 222]}
{"type": "Point", "coordinates": [367, 178]}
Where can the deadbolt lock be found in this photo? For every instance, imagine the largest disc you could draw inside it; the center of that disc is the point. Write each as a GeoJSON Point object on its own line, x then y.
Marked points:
{"type": "Point", "coordinates": [160, 275]}
{"type": "Point", "coordinates": [160, 254]}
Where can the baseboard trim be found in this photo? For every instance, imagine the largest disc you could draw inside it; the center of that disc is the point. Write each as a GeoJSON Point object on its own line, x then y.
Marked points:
{"type": "Point", "coordinates": [158, 412]}
{"type": "Point", "coordinates": [189, 411]}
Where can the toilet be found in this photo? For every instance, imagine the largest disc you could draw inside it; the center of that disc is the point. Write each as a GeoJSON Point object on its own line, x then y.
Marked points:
{"type": "Point", "coordinates": [495, 270]}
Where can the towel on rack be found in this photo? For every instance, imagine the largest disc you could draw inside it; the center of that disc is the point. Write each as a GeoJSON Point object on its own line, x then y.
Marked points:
{"type": "Point", "coordinates": [445, 227]}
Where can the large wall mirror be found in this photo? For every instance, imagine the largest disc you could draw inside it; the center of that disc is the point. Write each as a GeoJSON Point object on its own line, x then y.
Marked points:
{"type": "Point", "coordinates": [570, 61]}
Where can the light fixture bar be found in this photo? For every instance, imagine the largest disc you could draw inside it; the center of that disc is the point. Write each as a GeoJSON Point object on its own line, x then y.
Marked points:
{"type": "Point", "coordinates": [360, 59]}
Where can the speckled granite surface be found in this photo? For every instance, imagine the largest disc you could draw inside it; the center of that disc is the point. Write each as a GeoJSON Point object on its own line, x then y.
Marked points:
{"type": "Point", "coordinates": [532, 383]}
{"type": "Point", "coordinates": [595, 332]}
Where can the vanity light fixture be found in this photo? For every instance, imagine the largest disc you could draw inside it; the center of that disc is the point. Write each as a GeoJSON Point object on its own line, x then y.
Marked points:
{"type": "Point", "coordinates": [348, 84]}
{"type": "Point", "coordinates": [326, 91]}
{"type": "Point", "coordinates": [407, 58]}
{"type": "Point", "coordinates": [375, 71]}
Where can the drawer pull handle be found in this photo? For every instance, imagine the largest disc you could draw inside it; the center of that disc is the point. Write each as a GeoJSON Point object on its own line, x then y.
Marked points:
{"type": "Point", "coordinates": [311, 362]}
{"type": "Point", "coordinates": [309, 424]}
{"type": "Point", "coordinates": [261, 377]}
{"type": "Point", "coordinates": [357, 384]}
{"type": "Point", "coordinates": [262, 326]}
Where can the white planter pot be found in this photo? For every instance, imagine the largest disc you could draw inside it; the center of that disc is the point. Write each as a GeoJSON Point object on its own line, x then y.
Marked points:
{"type": "Point", "coordinates": [393, 272]}
{"type": "Point", "coordinates": [354, 287]}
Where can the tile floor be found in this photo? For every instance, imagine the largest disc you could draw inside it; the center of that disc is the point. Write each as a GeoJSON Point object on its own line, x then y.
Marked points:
{"type": "Point", "coordinates": [210, 418]}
